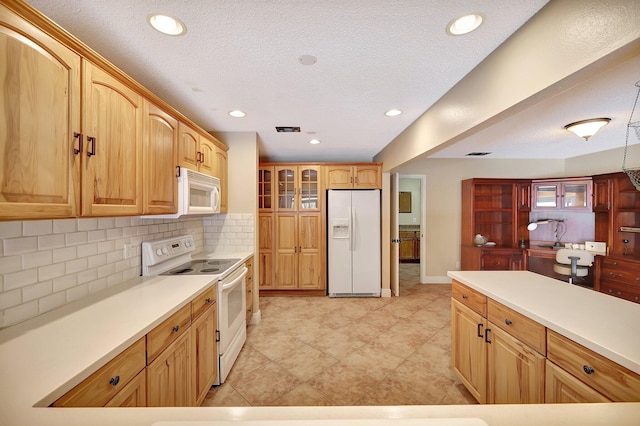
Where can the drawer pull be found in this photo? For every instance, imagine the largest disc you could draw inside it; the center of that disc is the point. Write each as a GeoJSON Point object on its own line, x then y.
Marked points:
{"type": "Point", "coordinates": [464, 296]}
{"type": "Point", "coordinates": [486, 335]}
{"type": "Point", "coordinates": [508, 321]}
{"type": "Point", "coordinates": [114, 381]}
{"type": "Point", "coordinates": [588, 369]}
{"type": "Point", "coordinates": [479, 330]}
{"type": "Point", "coordinates": [176, 328]}
{"type": "Point", "coordinates": [208, 300]}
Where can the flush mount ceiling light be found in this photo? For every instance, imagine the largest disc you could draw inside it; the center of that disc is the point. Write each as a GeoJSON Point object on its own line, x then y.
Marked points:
{"type": "Point", "coordinates": [587, 128]}
{"type": "Point", "coordinates": [307, 59]}
{"type": "Point", "coordinates": [237, 113]}
{"type": "Point", "coordinates": [167, 24]}
{"type": "Point", "coordinates": [393, 113]}
{"type": "Point", "coordinates": [465, 24]}
{"type": "Point", "coordinates": [314, 141]}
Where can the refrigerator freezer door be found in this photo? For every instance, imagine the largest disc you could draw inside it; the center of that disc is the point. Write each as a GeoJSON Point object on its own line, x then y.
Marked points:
{"type": "Point", "coordinates": [366, 242]}
{"type": "Point", "coordinates": [339, 244]}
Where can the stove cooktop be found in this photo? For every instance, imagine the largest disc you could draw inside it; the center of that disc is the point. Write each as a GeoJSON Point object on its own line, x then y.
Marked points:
{"type": "Point", "coordinates": [203, 267]}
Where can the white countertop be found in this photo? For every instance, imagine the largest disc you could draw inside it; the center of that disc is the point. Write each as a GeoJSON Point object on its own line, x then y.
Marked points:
{"type": "Point", "coordinates": [42, 358]}
{"type": "Point", "coordinates": [607, 325]}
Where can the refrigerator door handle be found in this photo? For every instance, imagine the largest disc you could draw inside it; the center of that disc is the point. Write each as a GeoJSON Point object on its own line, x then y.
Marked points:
{"type": "Point", "coordinates": [353, 228]}
{"type": "Point", "coordinates": [350, 229]}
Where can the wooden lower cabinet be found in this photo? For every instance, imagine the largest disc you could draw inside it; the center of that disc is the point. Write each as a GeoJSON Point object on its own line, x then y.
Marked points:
{"type": "Point", "coordinates": [134, 394]}
{"type": "Point", "coordinates": [468, 349]}
{"type": "Point", "coordinates": [561, 386]}
{"type": "Point", "coordinates": [515, 371]}
{"type": "Point", "coordinates": [169, 376]}
{"type": "Point", "coordinates": [204, 365]}
{"type": "Point", "coordinates": [109, 381]}
{"type": "Point", "coordinates": [249, 265]}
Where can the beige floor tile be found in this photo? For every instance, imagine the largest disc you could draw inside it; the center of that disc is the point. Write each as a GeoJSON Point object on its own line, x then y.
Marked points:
{"type": "Point", "coordinates": [264, 385]}
{"type": "Point", "coordinates": [423, 386]}
{"type": "Point", "coordinates": [338, 343]}
{"type": "Point", "coordinates": [303, 395]}
{"type": "Point", "coordinates": [305, 362]}
{"type": "Point", "coordinates": [377, 363]}
{"type": "Point", "coordinates": [432, 357]}
{"type": "Point", "coordinates": [277, 345]}
{"type": "Point", "coordinates": [458, 395]}
{"type": "Point", "coordinates": [224, 396]}
{"type": "Point", "coordinates": [248, 360]}
{"type": "Point", "coordinates": [343, 384]}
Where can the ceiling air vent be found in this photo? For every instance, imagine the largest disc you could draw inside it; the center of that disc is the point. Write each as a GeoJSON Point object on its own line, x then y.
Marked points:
{"type": "Point", "coordinates": [477, 154]}
{"type": "Point", "coordinates": [287, 129]}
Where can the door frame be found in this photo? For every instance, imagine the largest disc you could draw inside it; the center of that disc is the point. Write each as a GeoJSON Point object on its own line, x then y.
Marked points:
{"type": "Point", "coordinates": [423, 219]}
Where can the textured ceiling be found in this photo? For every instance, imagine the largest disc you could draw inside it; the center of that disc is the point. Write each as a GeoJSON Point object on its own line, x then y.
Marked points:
{"type": "Point", "coordinates": [373, 55]}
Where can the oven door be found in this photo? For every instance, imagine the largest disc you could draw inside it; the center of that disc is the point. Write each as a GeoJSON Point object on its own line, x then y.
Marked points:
{"type": "Point", "coordinates": [232, 308]}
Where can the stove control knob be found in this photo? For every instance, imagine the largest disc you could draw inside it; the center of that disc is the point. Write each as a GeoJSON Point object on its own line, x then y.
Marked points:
{"type": "Point", "coordinates": [164, 250]}
{"type": "Point", "coordinates": [159, 252]}
{"type": "Point", "coordinates": [187, 243]}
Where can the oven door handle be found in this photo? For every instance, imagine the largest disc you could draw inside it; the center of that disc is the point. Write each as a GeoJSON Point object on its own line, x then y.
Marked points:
{"type": "Point", "coordinates": [235, 281]}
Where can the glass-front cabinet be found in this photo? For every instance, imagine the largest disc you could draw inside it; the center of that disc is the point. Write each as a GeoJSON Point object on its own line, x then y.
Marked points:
{"type": "Point", "coordinates": [297, 188]}
{"type": "Point", "coordinates": [562, 194]}
{"type": "Point", "coordinates": [265, 188]}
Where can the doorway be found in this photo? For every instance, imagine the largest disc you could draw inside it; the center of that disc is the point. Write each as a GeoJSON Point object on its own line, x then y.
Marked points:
{"type": "Point", "coordinates": [411, 224]}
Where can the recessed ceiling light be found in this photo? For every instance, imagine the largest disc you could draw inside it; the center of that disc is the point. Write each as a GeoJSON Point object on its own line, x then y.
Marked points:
{"type": "Point", "coordinates": [393, 113]}
{"type": "Point", "coordinates": [314, 141]}
{"type": "Point", "coordinates": [465, 24]}
{"type": "Point", "coordinates": [167, 24]}
{"type": "Point", "coordinates": [237, 113]}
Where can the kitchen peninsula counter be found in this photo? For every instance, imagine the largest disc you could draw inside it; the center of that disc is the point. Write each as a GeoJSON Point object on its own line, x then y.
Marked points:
{"type": "Point", "coordinates": [41, 358]}
{"type": "Point", "coordinates": [607, 325]}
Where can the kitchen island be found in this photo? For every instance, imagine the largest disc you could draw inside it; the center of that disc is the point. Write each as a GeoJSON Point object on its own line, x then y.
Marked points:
{"type": "Point", "coordinates": [42, 358]}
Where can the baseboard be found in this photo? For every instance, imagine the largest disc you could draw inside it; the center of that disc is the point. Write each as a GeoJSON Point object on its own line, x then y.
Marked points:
{"type": "Point", "coordinates": [435, 280]}
{"type": "Point", "coordinates": [386, 292]}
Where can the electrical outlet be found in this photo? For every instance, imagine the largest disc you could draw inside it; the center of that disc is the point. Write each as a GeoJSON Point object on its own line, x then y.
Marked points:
{"type": "Point", "coordinates": [457, 264]}
{"type": "Point", "coordinates": [130, 251]}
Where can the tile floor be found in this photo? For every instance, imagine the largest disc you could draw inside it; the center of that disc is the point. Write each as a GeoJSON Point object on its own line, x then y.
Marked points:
{"type": "Point", "coordinates": [369, 351]}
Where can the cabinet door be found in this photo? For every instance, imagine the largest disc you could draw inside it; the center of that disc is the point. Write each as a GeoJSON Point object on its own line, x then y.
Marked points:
{"type": "Point", "coordinates": [523, 197]}
{"type": "Point", "coordinates": [204, 367]}
{"type": "Point", "coordinates": [286, 251]}
{"type": "Point", "coordinates": [339, 177]}
{"type": "Point", "coordinates": [134, 394]}
{"type": "Point", "coordinates": [546, 196]}
{"type": "Point", "coordinates": [367, 177]}
{"type": "Point", "coordinates": [265, 250]}
{"type": "Point", "coordinates": [112, 161]}
{"type": "Point", "coordinates": [602, 194]}
{"type": "Point", "coordinates": [308, 188]}
{"type": "Point", "coordinates": [207, 157]}
{"type": "Point", "coordinates": [222, 174]}
{"type": "Point", "coordinates": [561, 386]}
{"type": "Point", "coordinates": [188, 147]}
{"type": "Point", "coordinates": [265, 188]}
{"type": "Point", "coordinates": [286, 188]}
{"type": "Point", "coordinates": [469, 350]}
{"type": "Point", "coordinates": [160, 155]}
{"type": "Point", "coordinates": [577, 195]}
{"type": "Point", "coordinates": [407, 245]}
{"type": "Point", "coordinates": [169, 376]}
{"type": "Point", "coordinates": [515, 371]}
{"type": "Point", "coordinates": [310, 265]}
{"type": "Point", "coordinates": [40, 86]}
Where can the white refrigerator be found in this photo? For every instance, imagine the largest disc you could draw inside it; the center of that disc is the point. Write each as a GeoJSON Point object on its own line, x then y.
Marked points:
{"type": "Point", "coordinates": [353, 242]}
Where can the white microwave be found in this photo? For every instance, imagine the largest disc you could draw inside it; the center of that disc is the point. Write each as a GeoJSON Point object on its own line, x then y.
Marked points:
{"type": "Point", "coordinates": [198, 194]}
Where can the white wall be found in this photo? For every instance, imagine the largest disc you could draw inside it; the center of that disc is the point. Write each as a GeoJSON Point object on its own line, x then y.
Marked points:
{"type": "Point", "coordinates": [413, 186]}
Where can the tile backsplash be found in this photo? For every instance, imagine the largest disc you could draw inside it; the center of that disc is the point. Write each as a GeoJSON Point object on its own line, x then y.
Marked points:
{"type": "Point", "coordinates": [45, 264]}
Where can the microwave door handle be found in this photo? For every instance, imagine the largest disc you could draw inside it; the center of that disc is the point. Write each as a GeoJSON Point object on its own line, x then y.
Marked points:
{"type": "Point", "coordinates": [216, 199]}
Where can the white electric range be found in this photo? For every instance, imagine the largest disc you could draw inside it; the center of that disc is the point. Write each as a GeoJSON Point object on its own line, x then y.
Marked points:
{"type": "Point", "coordinates": [173, 256]}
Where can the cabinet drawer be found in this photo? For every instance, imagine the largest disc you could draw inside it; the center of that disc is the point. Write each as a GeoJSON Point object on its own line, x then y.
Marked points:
{"type": "Point", "coordinates": [605, 376]}
{"type": "Point", "coordinates": [619, 270]}
{"type": "Point", "coordinates": [495, 263]}
{"type": "Point", "coordinates": [519, 326]}
{"type": "Point", "coordinates": [469, 297]}
{"type": "Point", "coordinates": [202, 302]}
{"type": "Point", "coordinates": [618, 289]}
{"type": "Point", "coordinates": [97, 389]}
{"type": "Point", "coordinates": [170, 329]}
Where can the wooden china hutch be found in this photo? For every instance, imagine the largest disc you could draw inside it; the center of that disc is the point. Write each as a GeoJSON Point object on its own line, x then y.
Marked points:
{"type": "Point", "coordinates": [499, 209]}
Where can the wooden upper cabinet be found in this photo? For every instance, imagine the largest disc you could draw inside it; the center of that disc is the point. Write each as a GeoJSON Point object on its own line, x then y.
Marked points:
{"type": "Point", "coordinates": [348, 176]}
{"type": "Point", "coordinates": [265, 188]}
{"type": "Point", "coordinates": [298, 188]}
{"type": "Point", "coordinates": [195, 151]}
{"type": "Point", "coordinates": [207, 156]}
{"type": "Point", "coordinates": [188, 147]}
{"type": "Point", "coordinates": [112, 158]}
{"type": "Point", "coordinates": [39, 114]}
{"type": "Point", "coordinates": [160, 155]}
{"type": "Point", "coordinates": [569, 194]}
{"type": "Point", "coordinates": [221, 172]}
